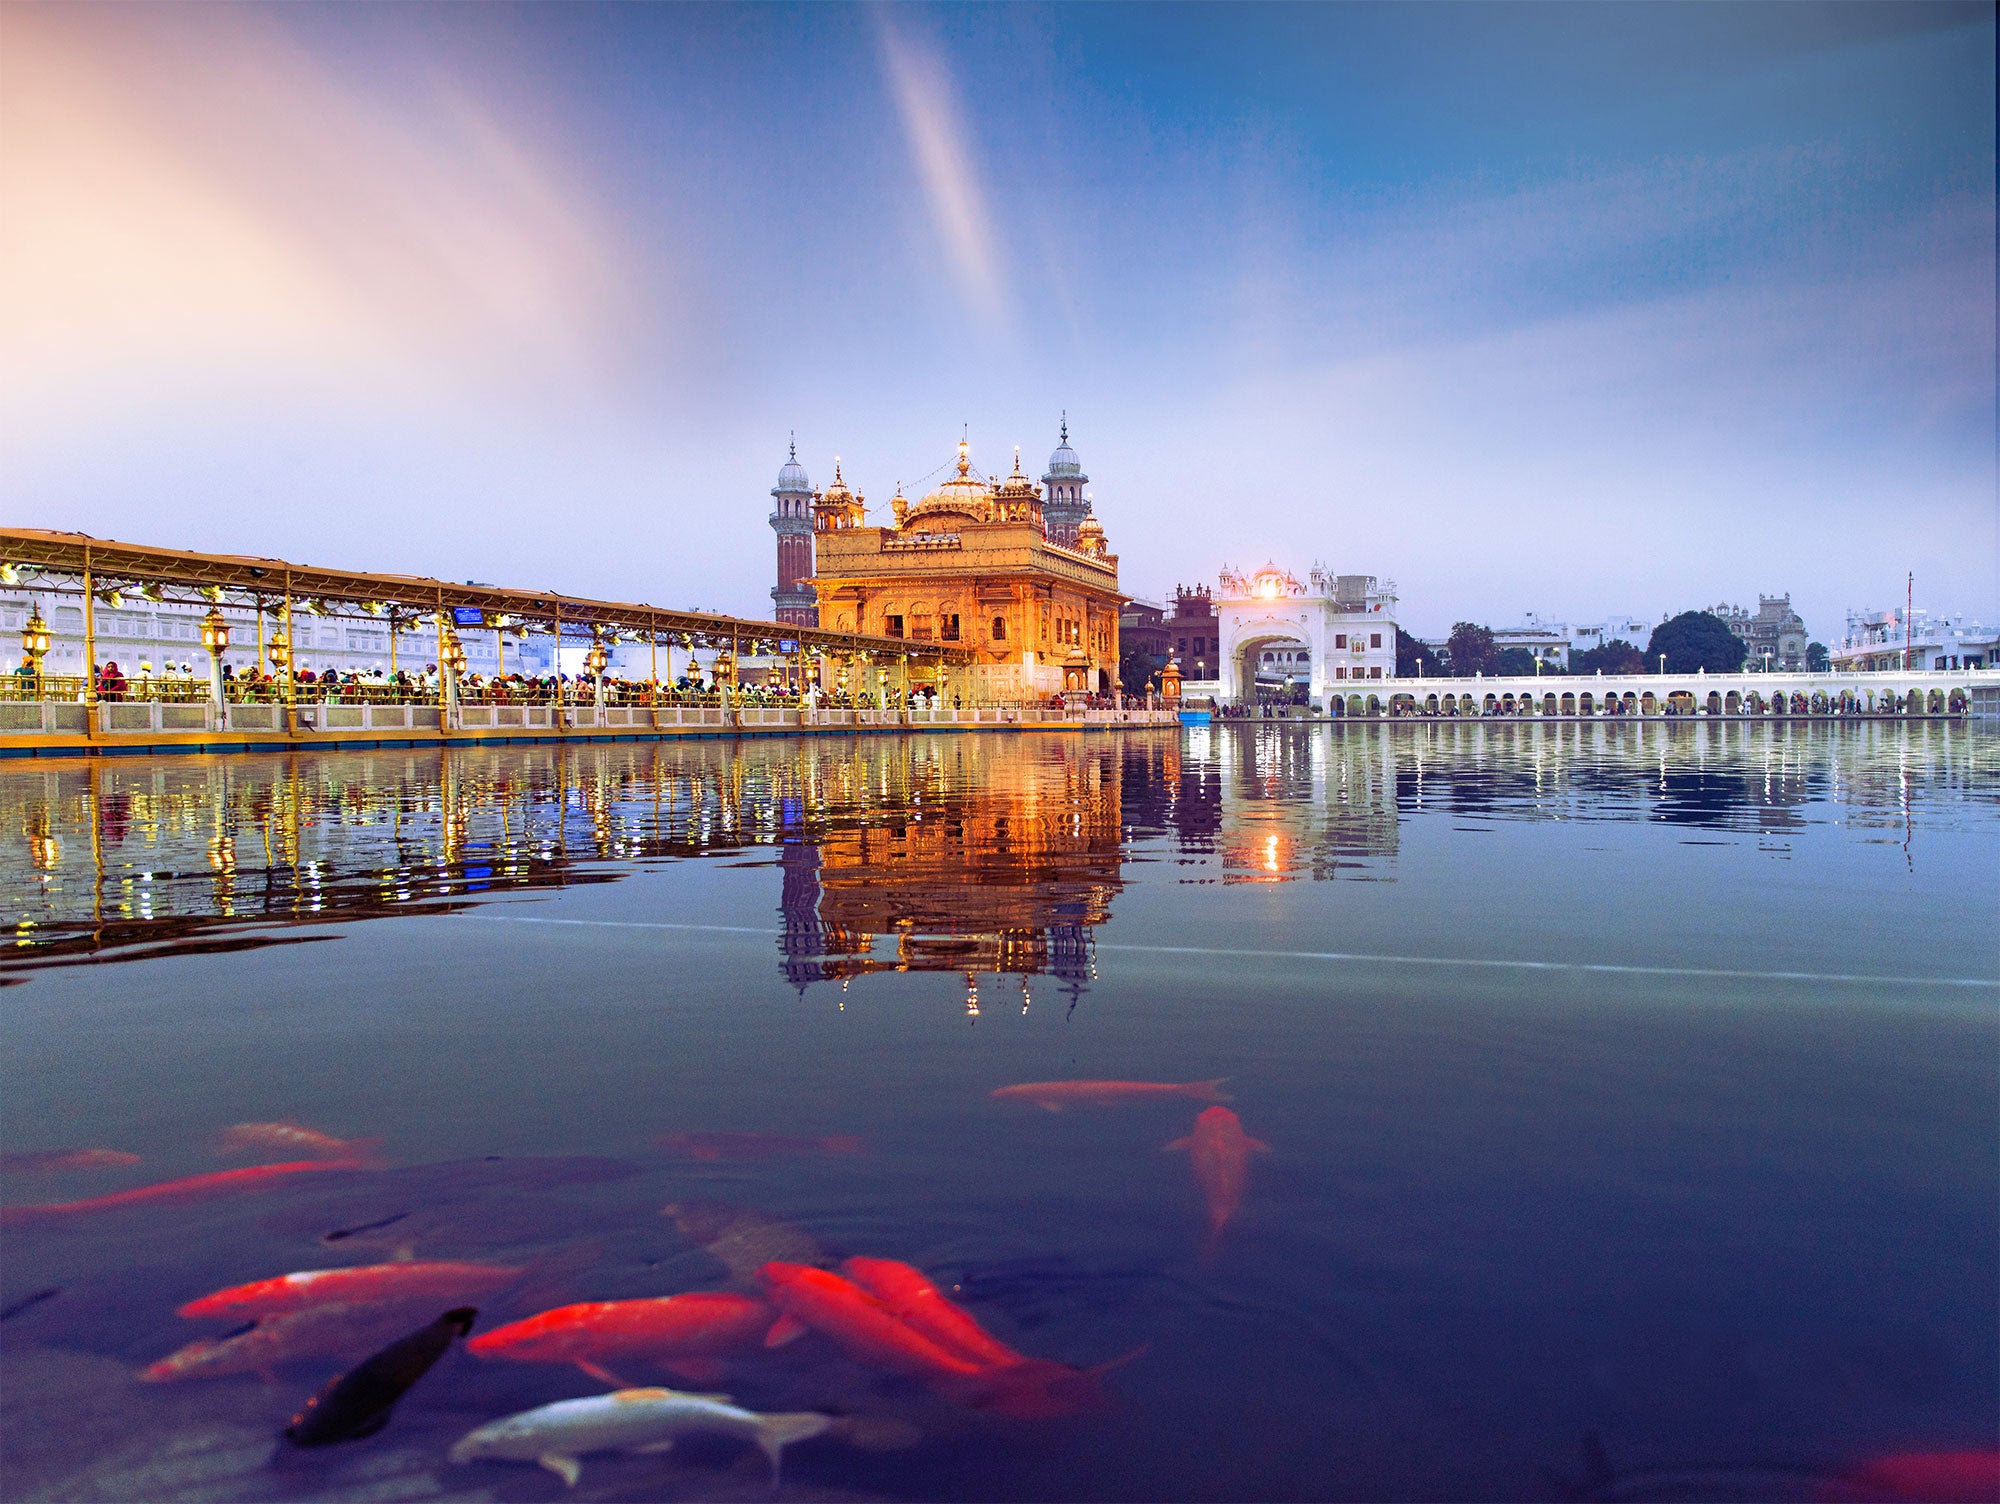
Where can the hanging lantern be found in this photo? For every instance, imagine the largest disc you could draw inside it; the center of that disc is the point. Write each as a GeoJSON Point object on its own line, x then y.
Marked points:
{"type": "Point", "coordinates": [215, 631]}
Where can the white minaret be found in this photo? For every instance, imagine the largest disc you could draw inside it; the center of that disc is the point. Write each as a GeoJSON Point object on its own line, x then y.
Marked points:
{"type": "Point", "coordinates": [1063, 503]}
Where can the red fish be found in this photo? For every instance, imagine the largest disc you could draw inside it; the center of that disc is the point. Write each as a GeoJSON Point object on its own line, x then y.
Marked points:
{"type": "Point", "coordinates": [687, 1333]}
{"type": "Point", "coordinates": [1220, 1150]}
{"type": "Point", "coordinates": [52, 1160]}
{"type": "Point", "coordinates": [290, 1138]}
{"type": "Point", "coordinates": [711, 1147]}
{"type": "Point", "coordinates": [1934, 1477]}
{"type": "Point", "coordinates": [1053, 1096]}
{"type": "Point", "coordinates": [363, 1285]}
{"type": "Point", "coordinates": [192, 1188]}
{"type": "Point", "coordinates": [909, 1293]}
{"type": "Point", "coordinates": [872, 1332]}
{"type": "Point", "coordinates": [858, 1321]}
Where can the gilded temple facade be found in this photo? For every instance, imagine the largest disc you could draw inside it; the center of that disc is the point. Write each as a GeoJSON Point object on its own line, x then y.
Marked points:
{"type": "Point", "coordinates": [982, 563]}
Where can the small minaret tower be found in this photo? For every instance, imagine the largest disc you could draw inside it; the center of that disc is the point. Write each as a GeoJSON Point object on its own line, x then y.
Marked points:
{"type": "Point", "coordinates": [792, 521]}
{"type": "Point", "coordinates": [1064, 506]}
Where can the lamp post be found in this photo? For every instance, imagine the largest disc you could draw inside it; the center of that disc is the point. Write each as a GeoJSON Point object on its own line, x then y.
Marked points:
{"type": "Point", "coordinates": [35, 645]}
{"type": "Point", "coordinates": [451, 663]}
{"type": "Point", "coordinates": [215, 637]}
{"type": "Point", "coordinates": [594, 661]}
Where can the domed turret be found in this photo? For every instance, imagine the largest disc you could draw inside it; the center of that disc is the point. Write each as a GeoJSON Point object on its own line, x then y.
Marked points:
{"type": "Point", "coordinates": [792, 478]}
{"type": "Point", "coordinates": [836, 506]}
{"type": "Point", "coordinates": [1063, 501]}
{"type": "Point", "coordinates": [1064, 461]}
{"type": "Point", "coordinates": [1016, 498]}
{"type": "Point", "coordinates": [1090, 536]}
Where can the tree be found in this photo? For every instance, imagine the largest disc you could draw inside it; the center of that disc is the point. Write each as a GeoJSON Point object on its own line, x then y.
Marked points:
{"type": "Point", "coordinates": [1136, 667]}
{"type": "Point", "coordinates": [1411, 656]}
{"type": "Point", "coordinates": [1471, 649]}
{"type": "Point", "coordinates": [1816, 658]}
{"type": "Point", "coordinates": [1616, 657]}
{"type": "Point", "coordinates": [1696, 640]}
{"type": "Point", "coordinates": [1514, 661]}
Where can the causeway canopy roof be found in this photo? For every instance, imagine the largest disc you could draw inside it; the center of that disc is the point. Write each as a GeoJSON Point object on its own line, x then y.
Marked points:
{"type": "Point", "coordinates": [112, 564]}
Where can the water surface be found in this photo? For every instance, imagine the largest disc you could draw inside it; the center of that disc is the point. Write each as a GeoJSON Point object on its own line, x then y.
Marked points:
{"type": "Point", "coordinates": [1634, 1081]}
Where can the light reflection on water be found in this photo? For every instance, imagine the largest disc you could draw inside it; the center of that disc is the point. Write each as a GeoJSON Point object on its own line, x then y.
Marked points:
{"type": "Point", "coordinates": [1631, 1079]}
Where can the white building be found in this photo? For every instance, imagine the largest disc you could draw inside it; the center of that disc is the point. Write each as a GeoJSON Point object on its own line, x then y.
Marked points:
{"type": "Point", "coordinates": [1274, 632]}
{"type": "Point", "coordinates": [1880, 639]}
{"type": "Point", "coordinates": [1547, 641]}
{"type": "Point", "coordinates": [1620, 628]}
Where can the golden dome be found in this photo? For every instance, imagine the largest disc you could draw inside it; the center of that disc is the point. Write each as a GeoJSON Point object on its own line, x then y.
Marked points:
{"type": "Point", "coordinates": [963, 496]}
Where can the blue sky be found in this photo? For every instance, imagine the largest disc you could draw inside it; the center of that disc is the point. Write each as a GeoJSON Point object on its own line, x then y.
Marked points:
{"type": "Point", "coordinates": [1563, 308]}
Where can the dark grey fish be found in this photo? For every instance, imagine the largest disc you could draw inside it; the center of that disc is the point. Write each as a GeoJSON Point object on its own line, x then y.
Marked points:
{"type": "Point", "coordinates": [745, 1240]}
{"type": "Point", "coordinates": [29, 1302]}
{"type": "Point", "coordinates": [1601, 1483]}
{"type": "Point", "coordinates": [360, 1401]}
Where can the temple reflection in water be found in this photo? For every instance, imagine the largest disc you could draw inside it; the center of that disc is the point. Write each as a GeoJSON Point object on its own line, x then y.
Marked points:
{"type": "Point", "coordinates": [965, 853]}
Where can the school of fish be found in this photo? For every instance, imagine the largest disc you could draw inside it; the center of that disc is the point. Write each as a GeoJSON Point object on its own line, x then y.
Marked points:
{"type": "Point", "coordinates": [883, 1315]}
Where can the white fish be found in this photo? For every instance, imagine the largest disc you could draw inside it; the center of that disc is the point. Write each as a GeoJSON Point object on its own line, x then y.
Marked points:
{"type": "Point", "coordinates": [630, 1420]}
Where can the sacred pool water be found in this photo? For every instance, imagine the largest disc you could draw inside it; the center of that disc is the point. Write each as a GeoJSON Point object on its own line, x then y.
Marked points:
{"type": "Point", "coordinates": [1629, 1094]}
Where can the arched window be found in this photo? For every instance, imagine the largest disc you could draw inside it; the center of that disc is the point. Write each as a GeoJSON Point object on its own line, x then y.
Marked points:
{"type": "Point", "coordinates": [999, 629]}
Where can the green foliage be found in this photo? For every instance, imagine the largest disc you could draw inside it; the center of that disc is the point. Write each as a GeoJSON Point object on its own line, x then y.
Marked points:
{"type": "Point", "coordinates": [1471, 649]}
{"type": "Point", "coordinates": [1135, 668]}
{"type": "Point", "coordinates": [1410, 654]}
{"type": "Point", "coordinates": [1514, 661]}
{"type": "Point", "coordinates": [1616, 657]}
{"type": "Point", "coordinates": [1817, 660]}
{"type": "Point", "coordinates": [1696, 640]}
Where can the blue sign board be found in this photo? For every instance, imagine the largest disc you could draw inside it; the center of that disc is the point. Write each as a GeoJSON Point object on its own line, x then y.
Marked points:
{"type": "Point", "coordinates": [788, 645]}
{"type": "Point", "coordinates": [468, 616]}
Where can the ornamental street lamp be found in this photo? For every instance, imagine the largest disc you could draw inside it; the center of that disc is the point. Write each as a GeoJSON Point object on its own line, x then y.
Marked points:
{"type": "Point", "coordinates": [215, 637]}
{"type": "Point", "coordinates": [451, 665]}
{"type": "Point", "coordinates": [594, 661]}
{"type": "Point", "coordinates": [35, 643]}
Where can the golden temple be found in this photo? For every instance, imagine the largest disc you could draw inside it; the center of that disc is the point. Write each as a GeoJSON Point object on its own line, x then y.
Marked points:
{"type": "Point", "coordinates": [976, 565]}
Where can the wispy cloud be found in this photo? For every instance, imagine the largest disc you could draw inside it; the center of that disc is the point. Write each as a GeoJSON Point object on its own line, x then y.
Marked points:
{"type": "Point", "coordinates": [195, 192]}
{"type": "Point", "coordinates": [940, 147]}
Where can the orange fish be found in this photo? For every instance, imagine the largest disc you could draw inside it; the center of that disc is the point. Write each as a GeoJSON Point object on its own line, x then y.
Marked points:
{"type": "Point", "coordinates": [192, 1188]}
{"type": "Point", "coordinates": [363, 1285]}
{"type": "Point", "coordinates": [1220, 1150]}
{"type": "Point", "coordinates": [290, 1138]}
{"type": "Point", "coordinates": [1934, 1477]}
{"type": "Point", "coordinates": [858, 1321]}
{"type": "Point", "coordinates": [711, 1147]}
{"type": "Point", "coordinates": [1053, 1096]}
{"type": "Point", "coordinates": [686, 1333]}
{"type": "Point", "coordinates": [909, 1293]}
{"type": "Point", "coordinates": [52, 1160]}
{"type": "Point", "coordinates": [872, 1332]}
{"type": "Point", "coordinates": [324, 1331]}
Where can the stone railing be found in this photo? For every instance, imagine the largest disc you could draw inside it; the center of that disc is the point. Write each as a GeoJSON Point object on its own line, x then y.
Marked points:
{"type": "Point", "coordinates": [332, 719]}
